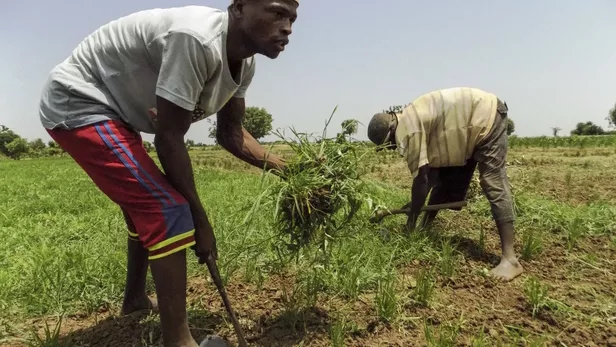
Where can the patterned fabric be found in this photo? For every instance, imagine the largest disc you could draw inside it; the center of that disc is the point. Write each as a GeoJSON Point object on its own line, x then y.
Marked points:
{"type": "Point", "coordinates": [442, 128]}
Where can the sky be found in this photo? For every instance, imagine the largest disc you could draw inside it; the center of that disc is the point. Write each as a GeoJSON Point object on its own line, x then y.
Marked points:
{"type": "Point", "coordinates": [553, 62]}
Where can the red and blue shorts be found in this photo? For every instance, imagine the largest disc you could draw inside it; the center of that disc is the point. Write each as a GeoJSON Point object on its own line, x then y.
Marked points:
{"type": "Point", "coordinates": [112, 154]}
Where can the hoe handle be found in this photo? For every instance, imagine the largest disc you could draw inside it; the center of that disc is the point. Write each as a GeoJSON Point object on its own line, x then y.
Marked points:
{"type": "Point", "coordinates": [379, 215]}
{"type": "Point", "coordinates": [211, 265]}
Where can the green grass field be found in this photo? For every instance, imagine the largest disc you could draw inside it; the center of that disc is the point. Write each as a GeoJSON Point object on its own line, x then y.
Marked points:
{"type": "Point", "coordinates": [63, 254]}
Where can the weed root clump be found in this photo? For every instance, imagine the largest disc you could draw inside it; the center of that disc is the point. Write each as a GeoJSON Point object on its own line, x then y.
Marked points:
{"type": "Point", "coordinates": [319, 191]}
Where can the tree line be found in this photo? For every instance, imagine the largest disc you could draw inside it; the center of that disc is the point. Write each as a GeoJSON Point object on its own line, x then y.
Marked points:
{"type": "Point", "coordinates": [16, 147]}
{"type": "Point", "coordinates": [257, 121]}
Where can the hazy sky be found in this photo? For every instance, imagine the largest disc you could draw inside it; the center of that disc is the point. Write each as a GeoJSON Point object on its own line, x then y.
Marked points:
{"type": "Point", "coordinates": [554, 62]}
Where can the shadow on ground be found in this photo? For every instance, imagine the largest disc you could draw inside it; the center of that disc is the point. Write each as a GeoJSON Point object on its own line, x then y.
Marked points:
{"type": "Point", "coordinates": [142, 330]}
{"type": "Point", "coordinates": [138, 330]}
{"type": "Point", "coordinates": [471, 249]}
{"type": "Point", "coordinates": [289, 329]}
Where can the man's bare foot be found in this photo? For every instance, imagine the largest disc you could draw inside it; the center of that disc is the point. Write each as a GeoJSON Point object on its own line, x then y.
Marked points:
{"type": "Point", "coordinates": [507, 270]}
{"type": "Point", "coordinates": [138, 305]}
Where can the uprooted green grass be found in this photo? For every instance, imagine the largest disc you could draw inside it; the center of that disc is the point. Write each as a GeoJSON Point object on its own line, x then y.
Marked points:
{"type": "Point", "coordinates": [320, 190]}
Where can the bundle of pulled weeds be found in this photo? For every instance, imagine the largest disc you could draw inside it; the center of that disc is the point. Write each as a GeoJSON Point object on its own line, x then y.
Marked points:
{"type": "Point", "coordinates": [319, 191]}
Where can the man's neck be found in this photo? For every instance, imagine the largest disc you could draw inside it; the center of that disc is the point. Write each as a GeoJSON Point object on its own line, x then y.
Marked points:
{"type": "Point", "coordinates": [237, 47]}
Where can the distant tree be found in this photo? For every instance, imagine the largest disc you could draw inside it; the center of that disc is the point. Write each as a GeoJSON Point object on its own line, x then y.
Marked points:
{"type": "Point", "coordinates": [611, 117]}
{"type": "Point", "coordinates": [53, 149]}
{"type": "Point", "coordinates": [6, 136]}
{"type": "Point", "coordinates": [349, 127]}
{"type": "Point", "coordinates": [37, 145]}
{"type": "Point", "coordinates": [37, 148]}
{"type": "Point", "coordinates": [555, 131]}
{"type": "Point", "coordinates": [212, 131]}
{"type": "Point", "coordinates": [257, 121]}
{"type": "Point", "coordinates": [588, 128]}
{"type": "Point", "coordinates": [17, 148]}
{"type": "Point", "coordinates": [190, 143]}
{"type": "Point", "coordinates": [510, 126]}
{"type": "Point", "coordinates": [149, 147]}
{"type": "Point", "coordinates": [395, 108]}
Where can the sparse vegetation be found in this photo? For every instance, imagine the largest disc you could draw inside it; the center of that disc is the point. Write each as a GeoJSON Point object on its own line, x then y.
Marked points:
{"type": "Point", "coordinates": [536, 294]}
{"type": "Point", "coordinates": [63, 251]}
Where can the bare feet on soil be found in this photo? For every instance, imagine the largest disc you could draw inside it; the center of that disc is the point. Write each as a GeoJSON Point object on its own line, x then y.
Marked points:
{"type": "Point", "coordinates": [139, 305]}
{"type": "Point", "coordinates": [507, 270]}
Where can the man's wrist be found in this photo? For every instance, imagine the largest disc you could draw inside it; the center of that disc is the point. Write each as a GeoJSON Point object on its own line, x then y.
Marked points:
{"type": "Point", "coordinates": [198, 214]}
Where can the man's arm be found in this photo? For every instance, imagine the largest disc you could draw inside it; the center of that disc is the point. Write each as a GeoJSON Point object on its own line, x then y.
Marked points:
{"type": "Point", "coordinates": [183, 72]}
{"type": "Point", "coordinates": [419, 192]}
{"type": "Point", "coordinates": [181, 79]}
{"type": "Point", "coordinates": [417, 160]}
{"type": "Point", "coordinates": [232, 136]}
{"type": "Point", "coordinates": [171, 126]}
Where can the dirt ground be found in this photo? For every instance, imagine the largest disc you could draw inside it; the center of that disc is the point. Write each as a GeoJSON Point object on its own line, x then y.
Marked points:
{"type": "Point", "coordinates": [479, 303]}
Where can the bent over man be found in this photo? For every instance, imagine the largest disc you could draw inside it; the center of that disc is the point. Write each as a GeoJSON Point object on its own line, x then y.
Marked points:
{"type": "Point", "coordinates": [158, 71]}
{"type": "Point", "coordinates": [455, 128]}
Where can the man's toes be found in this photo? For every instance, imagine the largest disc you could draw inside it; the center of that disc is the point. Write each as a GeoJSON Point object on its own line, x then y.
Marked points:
{"type": "Point", "coordinates": [502, 278]}
{"type": "Point", "coordinates": [506, 273]}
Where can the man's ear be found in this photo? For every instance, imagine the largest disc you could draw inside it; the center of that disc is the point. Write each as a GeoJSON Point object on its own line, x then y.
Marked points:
{"type": "Point", "coordinates": [237, 8]}
{"type": "Point", "coordinates": [393, 123]}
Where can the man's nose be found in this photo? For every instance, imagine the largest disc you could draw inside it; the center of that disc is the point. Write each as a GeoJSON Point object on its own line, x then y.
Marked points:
{"type": "Point", "coordinates": [286, 28]}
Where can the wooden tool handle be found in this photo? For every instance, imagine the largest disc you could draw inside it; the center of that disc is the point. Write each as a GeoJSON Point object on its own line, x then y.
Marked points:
{"type": "Point", "coordinates": [211, 265]}
{"type": "Point", "coordinates": [457, 204]}
{"type": "Point", "coordinates": [384, 213]}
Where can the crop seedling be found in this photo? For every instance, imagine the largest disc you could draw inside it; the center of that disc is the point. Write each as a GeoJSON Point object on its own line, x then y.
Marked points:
{"type": "Point", "coordinates": [425, 287]}
{"type": "Point", "coordinates": [482, 241]}
{"type": "Point", "coordinates": [386, 298]}
{"type": "Point", "coordinates": [337, 332]}
{"type": "Point", "coordinates": [531, 244]}
{"type": "Point", "coordinates": [574, 232]}
{"type": "Point", "coordinates": [448, 259]}
{"type": "Point", "coordinates": [537, 295]}
{"type": "Point", "coordinates": [446, 337]}
{"type": "Point", "coordinates": [51, 338]}
{"type": "Point", "coordinates": [480, 340]}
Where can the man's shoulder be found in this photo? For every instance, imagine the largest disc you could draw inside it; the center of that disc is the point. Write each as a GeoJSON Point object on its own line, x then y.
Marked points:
{"type": "Point", "coordinates": [472, 92]}
{"type": "Point", "coordinates": [460, 94]}
{"type": "Point", "coordinates": [206, 24]}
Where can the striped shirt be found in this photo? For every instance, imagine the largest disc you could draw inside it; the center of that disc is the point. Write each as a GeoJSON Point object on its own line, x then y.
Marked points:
{"type": "Point", "coordinates": [442, 128]}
